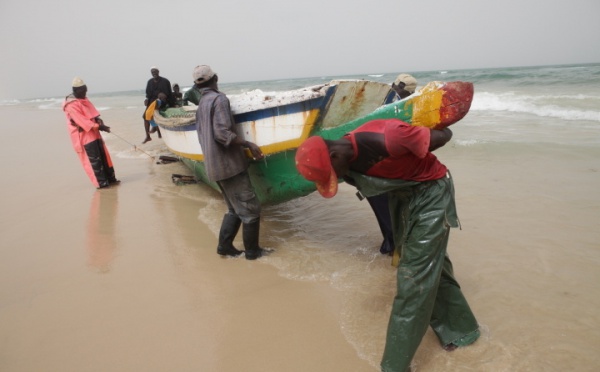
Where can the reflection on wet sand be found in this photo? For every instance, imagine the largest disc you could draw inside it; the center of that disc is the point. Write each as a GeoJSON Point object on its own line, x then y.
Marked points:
{"type": "Point", "coordinates": [100, 237]}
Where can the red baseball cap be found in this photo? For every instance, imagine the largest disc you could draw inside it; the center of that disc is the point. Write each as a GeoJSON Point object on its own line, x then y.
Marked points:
{"type": "Point", "coordinates": [314, 164]}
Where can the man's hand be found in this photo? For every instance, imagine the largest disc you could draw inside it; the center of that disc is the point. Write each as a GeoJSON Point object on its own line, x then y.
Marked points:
{"type": "Point", "coordinates": [257, 153]}
{"type": "Point", "coordinates": [103, 127]}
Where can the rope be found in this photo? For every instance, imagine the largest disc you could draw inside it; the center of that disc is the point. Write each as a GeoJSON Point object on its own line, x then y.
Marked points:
{"type": "Point", "coordinates": [134, 146]}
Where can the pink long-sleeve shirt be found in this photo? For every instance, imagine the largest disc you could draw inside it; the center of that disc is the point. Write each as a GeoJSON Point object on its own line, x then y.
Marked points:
{"type": "Point", "coordinates": [82, 127]}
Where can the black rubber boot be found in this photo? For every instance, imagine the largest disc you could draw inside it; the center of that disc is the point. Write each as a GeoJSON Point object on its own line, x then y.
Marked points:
{"type": "Point", "coordinates": [250, 233]}
{"type": "Point", "coordinates": [94, 153]}
{"type": "Point", "coordinates": [229, 229]}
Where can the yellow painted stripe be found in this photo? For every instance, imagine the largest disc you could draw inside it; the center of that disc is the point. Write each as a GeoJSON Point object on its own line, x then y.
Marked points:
{"type": "Point", "coordinates": [309, 123]}
{"type": "Point", "coordinates": [186, 155]}
{"type": "Point", "coordinates": [426, 107]}
{"type": "Point", "coordinates": [274, 147]}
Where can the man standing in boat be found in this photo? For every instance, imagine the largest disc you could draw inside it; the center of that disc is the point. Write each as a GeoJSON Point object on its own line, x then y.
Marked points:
{"type": "Point", "coordinates": [84, 124]}
{"type": "Point", "coordinates": [393, 157]}
{"type": "Point", "coordinates": [227, 165]}
{"type": "Point", "coordinates": [156, 85]}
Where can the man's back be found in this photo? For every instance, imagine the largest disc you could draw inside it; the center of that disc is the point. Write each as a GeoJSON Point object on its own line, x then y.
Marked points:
{"type": "Point", "coordinates": [216, 132]}
{"type": "Point", "coordinates": [394, 149]}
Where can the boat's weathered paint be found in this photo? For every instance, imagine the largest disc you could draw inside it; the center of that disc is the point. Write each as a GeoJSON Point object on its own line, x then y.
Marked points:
{"type": "Point", "coordinates": [354, 99]}
{"type": "Point", "coordinates": [281, 129]}
{"type": "Point", "coordinates": [436, 106]}
{"type": "Point", "coordinates": [448, 103]}
{"type": "Point", "coordinates": [279, 124]}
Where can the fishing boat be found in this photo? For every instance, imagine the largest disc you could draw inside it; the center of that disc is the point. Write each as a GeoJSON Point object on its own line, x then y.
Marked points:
{"type": "Point", "coordinates": [279, 122]}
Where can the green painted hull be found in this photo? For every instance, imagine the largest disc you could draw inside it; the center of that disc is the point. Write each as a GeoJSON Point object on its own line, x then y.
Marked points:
{"type": "Point", "coordinates": [276, 179]}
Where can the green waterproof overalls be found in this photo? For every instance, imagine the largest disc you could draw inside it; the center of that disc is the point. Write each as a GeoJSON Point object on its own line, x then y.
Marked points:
{"type": "Point", "coordinates": [427, 292]}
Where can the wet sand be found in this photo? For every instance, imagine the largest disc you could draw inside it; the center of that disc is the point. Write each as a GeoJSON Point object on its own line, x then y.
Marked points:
{"type": "Point", "coordinates": [127, 278]}
{"type": "Point", "coordinates": [102, 281]}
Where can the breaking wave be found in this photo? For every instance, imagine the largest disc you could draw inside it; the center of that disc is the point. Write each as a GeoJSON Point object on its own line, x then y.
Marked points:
{"type": "Point", "coordinates": [570, 107]}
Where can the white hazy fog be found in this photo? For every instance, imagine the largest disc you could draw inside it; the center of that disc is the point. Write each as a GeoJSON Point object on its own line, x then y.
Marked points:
{"type": "Point", "coordinates": [112, 44]}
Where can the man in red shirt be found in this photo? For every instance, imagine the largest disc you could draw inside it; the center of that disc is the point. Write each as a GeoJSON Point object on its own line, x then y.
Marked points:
{"type": "Point", "coordinates": [393, 157]}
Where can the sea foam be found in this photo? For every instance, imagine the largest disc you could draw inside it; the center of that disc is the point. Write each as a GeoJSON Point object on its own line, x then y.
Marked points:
{"type": "Point", "coordinates": [534, 105]}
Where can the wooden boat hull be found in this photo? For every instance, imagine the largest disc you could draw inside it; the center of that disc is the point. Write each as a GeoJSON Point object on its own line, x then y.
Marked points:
{"type": "Point", "coordinates": [336, 110]}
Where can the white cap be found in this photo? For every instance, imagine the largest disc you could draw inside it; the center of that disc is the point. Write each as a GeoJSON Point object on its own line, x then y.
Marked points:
{"type": "Point", "coordinates": [202, 73]}
{"type": "Point", "coordinates": [77, 82]}
{"type": "Point", "coordinates": [410, 83]}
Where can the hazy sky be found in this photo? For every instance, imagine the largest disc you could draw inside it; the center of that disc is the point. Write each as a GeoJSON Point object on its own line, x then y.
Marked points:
{"type": "Point", "coordinates": [112, 44]}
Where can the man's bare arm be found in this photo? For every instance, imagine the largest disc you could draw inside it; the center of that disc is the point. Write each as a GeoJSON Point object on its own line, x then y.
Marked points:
{"type": "Point", "coordinates": [439, 138]}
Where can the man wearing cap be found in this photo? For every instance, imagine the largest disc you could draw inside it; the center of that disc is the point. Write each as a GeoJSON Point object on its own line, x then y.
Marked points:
{"type": "Point", "coordinates": [393, 157]}
{"type": "Point", "coordinates": [226, 164]}
{"type": "Point", "coordinates": [156, 85]}
{"type": "Point", "coordinates": [84, 125]}
{"type": "Point", "coordinates": [404, 85]}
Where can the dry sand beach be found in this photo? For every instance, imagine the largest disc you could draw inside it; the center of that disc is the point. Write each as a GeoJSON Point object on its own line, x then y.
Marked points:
{"type": "Point", "coordinates": [127, 278]}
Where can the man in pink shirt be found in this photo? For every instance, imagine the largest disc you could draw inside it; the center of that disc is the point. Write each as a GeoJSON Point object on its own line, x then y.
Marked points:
{"type": "Point", "coordinates": [84, 125]}
{"type": "Point", "coordinates": [393, 157]}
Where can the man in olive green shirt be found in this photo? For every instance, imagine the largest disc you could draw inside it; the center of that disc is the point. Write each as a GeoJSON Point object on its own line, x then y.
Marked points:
{"type": "Point", "coordinates": [192, 95]}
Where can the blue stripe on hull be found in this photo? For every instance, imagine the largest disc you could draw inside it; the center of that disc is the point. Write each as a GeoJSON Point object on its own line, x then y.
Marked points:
{"type": "Point", "coordinates": [293, 108]}
{"type": "Point", "coordinates": [290, 109]}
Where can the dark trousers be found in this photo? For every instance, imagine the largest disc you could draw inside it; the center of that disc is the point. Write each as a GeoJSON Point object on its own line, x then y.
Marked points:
{"type": "Point", "coordinates": [380, 206]}
{"type": "Point", "coordinates": [100, 161]}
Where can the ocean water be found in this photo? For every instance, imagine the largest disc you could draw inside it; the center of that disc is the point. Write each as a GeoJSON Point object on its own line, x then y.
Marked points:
{"type": "Point", "coordinates": [548, 104]}
{"type": "Point", "coordinates": [519, 117]}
